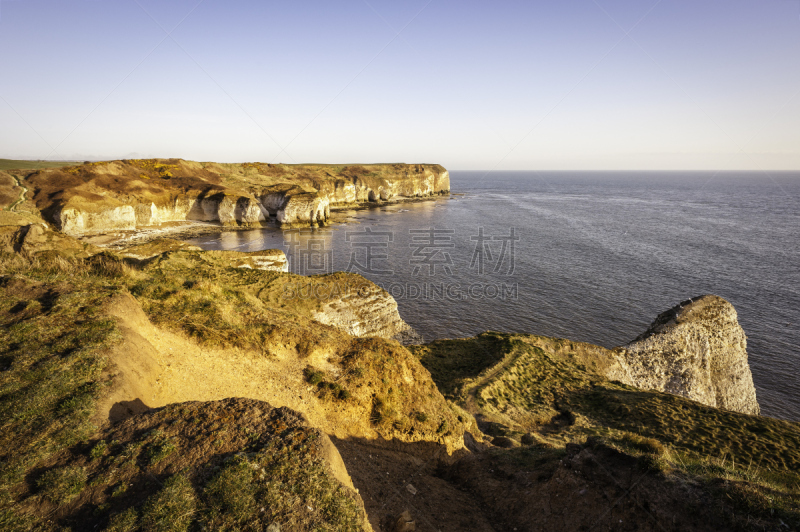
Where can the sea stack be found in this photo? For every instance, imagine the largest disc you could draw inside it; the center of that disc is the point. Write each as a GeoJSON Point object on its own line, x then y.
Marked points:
{"type": "Point", "coordinates": [698, 350]}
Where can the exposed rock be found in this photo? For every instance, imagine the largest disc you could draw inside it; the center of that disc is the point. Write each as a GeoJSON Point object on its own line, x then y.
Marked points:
{"type": "Point", "coordinates": [271, 260]}
{"type": "Point", "coordinates": [77, 218]}
{"type": "Point", "coordinates": [366, 310]}
{"type": "Point", "coordinates": [698, 350]}
{"type": "Point", "coordinates": [404, 523]}
{"type": "Point", "coordinates": [127, 195]}
{"type": "Point", "coordinates": [29, 240]}
{"type": "Point", "coordinates": [76, 221]}
{"type": "Point", "coordinates": [308, 208]}
{"type": "Point", "coordinates": [409, 337]}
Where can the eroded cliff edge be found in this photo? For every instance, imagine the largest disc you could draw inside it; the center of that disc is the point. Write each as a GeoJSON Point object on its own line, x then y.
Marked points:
{"type": "Point", "coordinates": [130, 194]}
{"type": "Point", "coordinates": [698, 350]}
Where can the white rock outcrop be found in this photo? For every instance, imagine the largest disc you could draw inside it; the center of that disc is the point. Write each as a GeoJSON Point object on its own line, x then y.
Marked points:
{"type": "Point", "coordinates": [368, 311]}
{"type": "Point", "coordinates": [76, 222]}
{"type": "Point", "coordinates": [271, 260]}
{"type": "Point", "coordinates": [697, 350]}
{"type": "Point", "coordinates": [311, 208]}
{"type": "Point", "coordinates": [225, 209]}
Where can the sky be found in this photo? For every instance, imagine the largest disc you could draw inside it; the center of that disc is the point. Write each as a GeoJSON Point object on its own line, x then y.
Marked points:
{"type": "Point", "coordinates": [504, 85]}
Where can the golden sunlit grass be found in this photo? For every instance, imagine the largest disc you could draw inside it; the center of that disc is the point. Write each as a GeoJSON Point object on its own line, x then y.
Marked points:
{"type": "Point", "coordinates": [154, 166]}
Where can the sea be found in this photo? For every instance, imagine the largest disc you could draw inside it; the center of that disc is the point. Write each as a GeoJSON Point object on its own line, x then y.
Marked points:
{"type": "Point", "coordinates": [589, 256]}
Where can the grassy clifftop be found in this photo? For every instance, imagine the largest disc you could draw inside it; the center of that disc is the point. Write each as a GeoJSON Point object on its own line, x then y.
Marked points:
{"type": "Point", "coordinates": [89, 336]}
{"type": "Point", "coordinates": [15, 164]}
{"type": "Point", "coordinates": [116, 373]}
{"type": "Point", "coordinates": [543, 392]}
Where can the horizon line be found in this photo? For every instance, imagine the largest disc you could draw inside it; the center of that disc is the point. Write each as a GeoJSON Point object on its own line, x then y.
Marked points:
{"type": "Point", "coordinates": [487, 171]}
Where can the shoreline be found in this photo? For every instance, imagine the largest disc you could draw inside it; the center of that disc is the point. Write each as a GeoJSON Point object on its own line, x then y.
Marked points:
{"type": "Point", "coordinates": [118, 240]}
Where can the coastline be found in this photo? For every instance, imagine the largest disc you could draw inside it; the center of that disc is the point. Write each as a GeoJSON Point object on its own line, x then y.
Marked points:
{"type": "Point", "coordinates": [118, 240]}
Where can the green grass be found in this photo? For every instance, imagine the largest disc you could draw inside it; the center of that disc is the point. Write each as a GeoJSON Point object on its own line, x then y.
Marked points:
{"type": "Point", "coordinates": [231, 496]}
{"type": "Point", "coordinates": [124, 521]}
{"type": "Point", "coordinates": [325, 388]}
{"type": "Point", "coordinates": [221, 305]}
{"type": "Point", "coordinates": [290, 478]}
{"type": "Point", "coordinates": [451, 362]}
{"type": "Point", "coordinates": [52, 350]}
{"type": "Point", "coordinates": [63, 484]}
{"type": "Point", "coordinates": [276, 475]}
{"type": "Point", "coordinates": [12, 164]}
{"type": "Point", "coordinates": [99, 449]}
{"type": "Point", "coordinates": [172, 508]}
{"type": "Point", "coordinates": [53, 369]}
{"type": "Point", "coordinates": [692, 427]}
{"type": "Point", "coordinates": [159, 449]}
{"type": "Point", "coordinates": [313, 376]}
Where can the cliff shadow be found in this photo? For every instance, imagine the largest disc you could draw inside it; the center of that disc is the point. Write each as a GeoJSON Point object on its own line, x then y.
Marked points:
{"type": "Point", "coordinates": [689, 425]}
{"type": "Point", "coordinates": [207, 198]}
{"type": "Point", "coordinates": [122, 410]}
{"type": "Point", "coordinates": [393, 477]}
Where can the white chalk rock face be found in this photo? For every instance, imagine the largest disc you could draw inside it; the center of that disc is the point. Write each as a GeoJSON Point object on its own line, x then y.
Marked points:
{"type": "Point", "coordinates": [232, 210]}
{"type": "Point", "coordinates": [366, 311]}
{"type": "Point", "coordinates": [77, 222]}
{"type": "Point", "coordinates": [308, 208]}
{"type": "Point", "coordinates": [176, 211]}
{"type": "Point", "coordinates": [697, 350]}
{"type": "Point", "coordinates": [226, 209]}
{"type": "Point", "coordinates": [271, 260]}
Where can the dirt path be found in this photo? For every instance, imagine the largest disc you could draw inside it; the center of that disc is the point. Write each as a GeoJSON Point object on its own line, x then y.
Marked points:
{"type": "Point", "coordinates": [21, 199]}
{"type": "Point", "coordinates": [472, 389]}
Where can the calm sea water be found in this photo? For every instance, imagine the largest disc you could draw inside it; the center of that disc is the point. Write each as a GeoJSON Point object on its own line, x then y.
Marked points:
{"type": "Point", "coordinates": [587, 256]}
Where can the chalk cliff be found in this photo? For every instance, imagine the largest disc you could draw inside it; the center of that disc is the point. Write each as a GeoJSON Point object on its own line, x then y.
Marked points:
{"type": "Point", "coordinates": [698, 350]}
{"type": "Point", "coordinates": [126, 195]}
{"type": "Point", "coordinates": [369, 312]}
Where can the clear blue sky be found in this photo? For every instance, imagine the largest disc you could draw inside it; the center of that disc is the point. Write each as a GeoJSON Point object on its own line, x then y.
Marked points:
{"type": "Point", "coordinates": [695, 84]}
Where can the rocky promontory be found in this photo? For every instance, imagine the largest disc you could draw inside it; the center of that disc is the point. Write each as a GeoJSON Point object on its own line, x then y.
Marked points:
{"type": "Point", "coordinates": [696, 349]}
{"type": "Point", "coordinates": [100, 197]}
